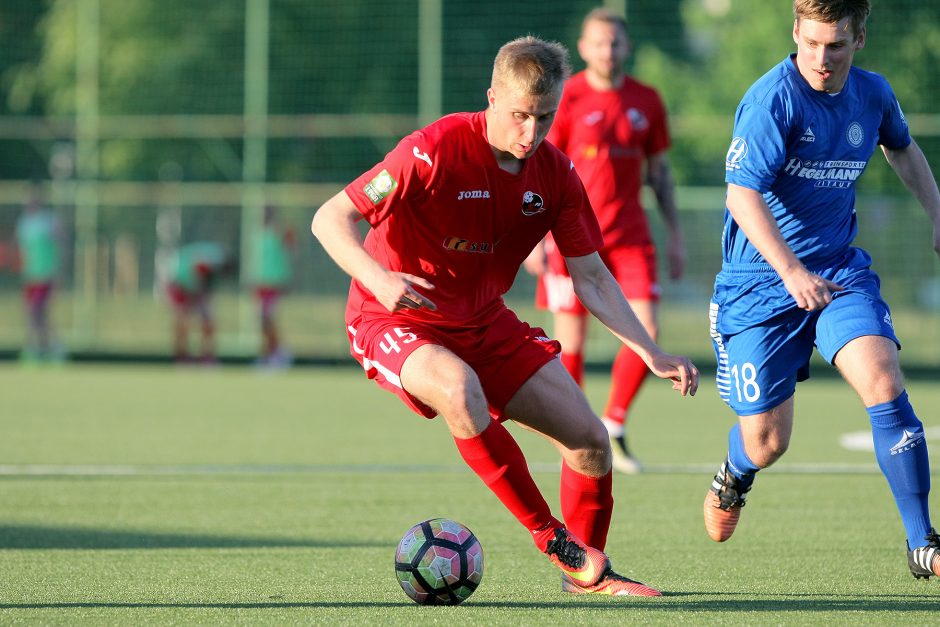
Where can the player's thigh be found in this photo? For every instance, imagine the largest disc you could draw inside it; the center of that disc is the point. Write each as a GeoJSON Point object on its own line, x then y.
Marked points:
{"type": "Point", "coordinates": [646, 312]}
{"type": "Point", "coordinates": [870, 365]}
{"type": "Point", "coordinates": [442, 380]}
{"type": "Point", "coordinates": [855, 333]}
{"type": "Point", "coordinates": [634, 268]}
{"type": "Point", "coordinates": [570, 329]}
{"type": "Point", "coordinates": [552, 404]}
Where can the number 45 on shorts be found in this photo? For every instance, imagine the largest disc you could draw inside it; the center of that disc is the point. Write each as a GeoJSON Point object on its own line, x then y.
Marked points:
{"type": "Point", "coordinates": [390, 343]}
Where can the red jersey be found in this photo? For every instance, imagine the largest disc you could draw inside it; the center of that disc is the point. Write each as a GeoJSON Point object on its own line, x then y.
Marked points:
{"type": "Point", "coordinates": [441, 208]}
{"type": "Point", "coordinates": [608, 135]}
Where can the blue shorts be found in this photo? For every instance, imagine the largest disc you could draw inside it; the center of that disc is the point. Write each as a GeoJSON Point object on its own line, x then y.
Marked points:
{"type": "Point", "coordinates": [763, 342]}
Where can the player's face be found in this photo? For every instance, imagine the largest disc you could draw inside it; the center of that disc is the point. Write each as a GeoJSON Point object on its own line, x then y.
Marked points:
{"type": "Point", "coordinates": [518, 122]}
{"type": "Point", "coordinates": [825, 52]}
{"type": "Point", "coordinates": [603, 47]}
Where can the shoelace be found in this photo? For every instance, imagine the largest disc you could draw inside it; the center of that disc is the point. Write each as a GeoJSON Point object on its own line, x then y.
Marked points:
{"type": "Point", "coordinates": [730, 495]}
{"type": "Point", "coordinates": [568, 552]}
{"type": "Point", "coordinates": [933, 539]}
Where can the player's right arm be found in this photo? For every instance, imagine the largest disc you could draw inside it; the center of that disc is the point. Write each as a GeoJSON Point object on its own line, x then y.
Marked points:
{"type": "Point", "coordinates": [810, 291]}
{"type": "Point", "coordinates": [335, 226]}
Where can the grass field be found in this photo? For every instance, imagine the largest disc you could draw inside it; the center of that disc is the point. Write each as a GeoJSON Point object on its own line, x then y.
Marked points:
{"type": "Point", "coordinates": [151, 495]}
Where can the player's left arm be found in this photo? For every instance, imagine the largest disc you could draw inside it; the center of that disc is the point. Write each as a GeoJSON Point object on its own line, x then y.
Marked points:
{"type": "Point", "coordinates": [659, 178]}
{"type": "Point", "coordinates": [601, 295]}
{"type": "Point", "coordinates": [912, 168]}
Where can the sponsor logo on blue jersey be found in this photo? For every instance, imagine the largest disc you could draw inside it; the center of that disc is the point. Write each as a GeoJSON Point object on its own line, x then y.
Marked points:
{"type": "Point", "coordinates": [837, 174]}
{"type": "Point", "coordinates": [736, 153]}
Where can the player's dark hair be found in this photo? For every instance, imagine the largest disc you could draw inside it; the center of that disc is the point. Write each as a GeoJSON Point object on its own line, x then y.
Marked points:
{"type": "Point", "coordinates": [603, 14]}
{"type": "Point", "coordinates": [832, 11]}
{"type": "Point", "coordinates": [532, 65]}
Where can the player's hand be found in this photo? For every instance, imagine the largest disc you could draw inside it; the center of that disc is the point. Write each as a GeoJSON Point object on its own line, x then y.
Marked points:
{"type": "Point", "coordinates": [397, 292]}
{"type": "Point", "coordinates": [676, 257]}
{"type": "Point", "coordinates": [680, 369]}
{"type": "Point", "coordinates": [810, 291]}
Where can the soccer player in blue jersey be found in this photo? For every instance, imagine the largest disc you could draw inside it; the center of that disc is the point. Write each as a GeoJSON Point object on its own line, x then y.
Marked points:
{"type": "Point", "coordinates": [790, 277]}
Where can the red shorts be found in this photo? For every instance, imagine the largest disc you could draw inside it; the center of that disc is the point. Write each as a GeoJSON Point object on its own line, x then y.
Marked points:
{"type": "Point", "coordinates": [37, 294]}
{"type": "Point", "coordinates": [504, 353]}
{"type": "Point", "coordinates": [633, 267]}
{"type": "Point", "coordinates": [267, 296]}
{"type": "Point", "coordinates": [180, 298]}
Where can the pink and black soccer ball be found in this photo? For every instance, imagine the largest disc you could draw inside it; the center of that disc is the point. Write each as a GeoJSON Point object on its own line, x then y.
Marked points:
{"type": "Point", "coordinates": [439, 562]}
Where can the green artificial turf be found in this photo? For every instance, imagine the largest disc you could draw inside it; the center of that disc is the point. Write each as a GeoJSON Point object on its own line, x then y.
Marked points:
{"type": "Point", "coordinates": [155, 495]}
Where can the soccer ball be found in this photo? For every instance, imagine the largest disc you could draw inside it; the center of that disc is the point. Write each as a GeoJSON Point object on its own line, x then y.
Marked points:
{"type": "Point", "coordinates": [439, 562]}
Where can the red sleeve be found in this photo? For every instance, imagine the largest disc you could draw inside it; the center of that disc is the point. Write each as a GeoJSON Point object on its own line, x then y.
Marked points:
{"type": "Point", "coordinates": [576, 231]}
{"type": "Point", "coordinates": [403, 176]}
{"type": "Point", "coordinates": [658, 139]}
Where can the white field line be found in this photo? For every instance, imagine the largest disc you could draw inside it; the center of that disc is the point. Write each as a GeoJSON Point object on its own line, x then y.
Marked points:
{"type": "Point", "coordinates": [118, 470]}
{"type": "Point", "coordinates": [858, 441]}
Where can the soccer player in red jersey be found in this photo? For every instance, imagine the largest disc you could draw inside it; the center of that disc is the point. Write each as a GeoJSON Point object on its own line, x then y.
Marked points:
{"type": "Point", "coordinates": [454, 210]}
{"type": "Point", "coordinates": [612, 127]}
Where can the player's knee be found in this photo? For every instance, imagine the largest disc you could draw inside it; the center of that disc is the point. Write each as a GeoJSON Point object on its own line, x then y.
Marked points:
{"type": "Point", "coordinates": [770, 447]}
{"type": "Point", "coordinates": [459, 396]}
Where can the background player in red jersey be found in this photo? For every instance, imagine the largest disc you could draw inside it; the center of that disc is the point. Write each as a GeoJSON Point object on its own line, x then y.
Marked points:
{"type": "Point", "coordinates": [455, 209]}
{"type": "Point", "coordinates": [612, 126]}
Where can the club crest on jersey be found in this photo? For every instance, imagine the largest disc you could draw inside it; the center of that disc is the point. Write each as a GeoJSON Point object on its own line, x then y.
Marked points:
{"type": "Point", "coordinates": [380, 187]}
{"type": "Point", "coordinates": [532, 204]}
{"type": "Point", "coordinates": [637, 119]}
{"type": "Point", "coordinates": [463, 245]}
{"type": "Point", "coordinates": [855, 135]}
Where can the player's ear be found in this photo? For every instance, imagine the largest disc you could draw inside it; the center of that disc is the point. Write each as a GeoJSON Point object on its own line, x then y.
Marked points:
{"type": "Point", "coordinates": [860, 40]}
{"type": "Point", "coordinates": [796, 31]}
{"type": "Point", "coordinates": [491, 97]}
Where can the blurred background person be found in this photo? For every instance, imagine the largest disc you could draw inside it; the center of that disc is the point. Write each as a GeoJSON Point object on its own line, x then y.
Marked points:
{"type": "Point", "coordinates": [39, 250]}
{"type": "Point", "coordinates": [194, 274]}
{"type": "Point", "coordinates": [272, 271]}
{"type": "Point", "coordinates": [614, 129]}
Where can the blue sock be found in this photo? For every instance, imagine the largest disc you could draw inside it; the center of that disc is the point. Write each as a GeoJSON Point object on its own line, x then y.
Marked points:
{"type": "Point", "coordinates": [739, 463]}
{"type": "Point", "coordinates": [901, 450]}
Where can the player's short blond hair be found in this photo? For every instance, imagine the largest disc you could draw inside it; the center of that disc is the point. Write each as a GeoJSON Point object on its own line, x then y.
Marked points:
{"type": "Point", "coordinates": [531, 66]}
{"type": "Point", "coordinates": [832, 11]}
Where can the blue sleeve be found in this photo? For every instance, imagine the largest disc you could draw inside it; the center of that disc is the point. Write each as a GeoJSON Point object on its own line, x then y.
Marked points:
{"type": "Point", "coordinates": [758, 149]}
{"type": "Point", "coordinates": [893, 132]}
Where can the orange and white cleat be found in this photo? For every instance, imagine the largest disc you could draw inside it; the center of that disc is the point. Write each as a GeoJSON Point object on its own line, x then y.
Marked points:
{"type": "Point", "coordinates": [578, 562]}
{"type": "Point", "coordinates": [610, 584]}
{"type": "Point", "coordinates": [723, 504]}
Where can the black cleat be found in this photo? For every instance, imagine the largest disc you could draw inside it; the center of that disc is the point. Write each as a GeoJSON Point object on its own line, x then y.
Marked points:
{"type": "Point", "coordinates": [924, 561]}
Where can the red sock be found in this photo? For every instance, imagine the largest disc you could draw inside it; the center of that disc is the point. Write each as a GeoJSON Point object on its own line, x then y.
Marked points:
{"type": "Point", "coordinates": [496, 458]}
{"type": "Point", "coordinates": [626, 378]}
{"type": "Point", "coordinates": [587, 504]}
{"type": "Point", "coordinates": [574, 364]}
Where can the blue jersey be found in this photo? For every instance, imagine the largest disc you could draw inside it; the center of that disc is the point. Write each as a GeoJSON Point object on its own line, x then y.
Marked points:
{"type": "Point", "coordinates": [803, 150]}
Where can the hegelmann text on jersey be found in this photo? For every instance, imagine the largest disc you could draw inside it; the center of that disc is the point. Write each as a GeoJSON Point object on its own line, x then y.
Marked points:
{"type": "Point", "coordinates": [838, 174]}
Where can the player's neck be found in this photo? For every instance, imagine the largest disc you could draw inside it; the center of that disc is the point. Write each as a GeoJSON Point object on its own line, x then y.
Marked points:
{"type": "Point", "coordinates": [507, 161]}
{"type": "Point", "coordinates": [601, 82]}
